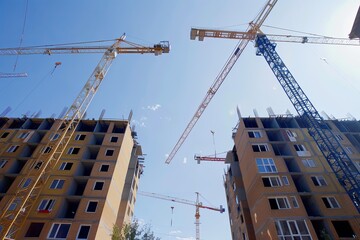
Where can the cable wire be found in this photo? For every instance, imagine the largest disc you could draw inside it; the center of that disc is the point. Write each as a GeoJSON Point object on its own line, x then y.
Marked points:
{"type": "Point", "coordinates": [22, 34]}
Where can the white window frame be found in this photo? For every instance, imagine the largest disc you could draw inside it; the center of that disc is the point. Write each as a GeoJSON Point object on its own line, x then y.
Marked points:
{"type": "Point", "coordinates": [3, 162]}
{"type": "Point", "coordinates": [12, 148]}
{"type": "Point", "coordinates": [272, 180]}
{"type": "Point", "coordinates": [334, 204]}
{"type": "Point", "coordinates": [300, 148]}
{"type": "Point", "coordinates": [320, 181]}
{"type": "Point", "coordinates": [46, 204]}
{"type": "Point", "coordinates": [57, 182]}
{"type": "Point", "coordinates": [292, 225]}
{"type": "Point", "coordinates": [72, 149]}
{"type": "Point", "coordinates": [87, 206]}
{"type": "Point", "coordinates": [284, 200]}
{"type": "Point", "coordinates": [25, 182]}
{"type": "Point", "coordinates": [46, 150]}
{"type": "Point", "coordinates": [259, 146]}
{"type": "Point", "coordinates": [309, 163]}
{"type": "Point", "coordinates": [268, 164]}
{"type": "Point", "coordinates": [79, 136]}
{"type": "Point", "coordinates": [83, 225]}
{"type": "Point", "coordinates": [23, 135]}
{"type": "Point", "coordinates": [64, 164]}
{"type": "Point", "coordinates": [255, 133]}
{"type": "Point", "coordinates": [57, 230]}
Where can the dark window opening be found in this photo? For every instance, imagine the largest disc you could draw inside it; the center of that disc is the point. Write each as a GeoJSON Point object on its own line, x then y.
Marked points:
{"type": "Point", "coordinates": [109, 152]}
{"type": "Point", "coordinates": [34, 229]}
{"type": "Point", "coordinates": [343, 229]}
{"type": "Point", "coordinates": [92, 207]}
{"type": "Point", "coordinates": [5, 134]}
{"type": "Point", "coordinates": [114, 139]}
{"type": "Point", "coordinates": [104, 168]}
{"type": "Point", "coordinates": [84, 232]}
{"type": "Point", "coordinates": [98, 185]}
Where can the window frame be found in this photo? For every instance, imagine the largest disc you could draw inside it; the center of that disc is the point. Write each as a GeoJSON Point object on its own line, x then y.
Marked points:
{"type": "Point", "coordinates": [57, 230]}
{"type": "Point", "coordinates": [46, 204]}
{"type": "Point", "coordinates": [254, 133]}
{"type": "Point", "coordinates": [308, 162]}
{"type": "Point", "coordinates": [64, 165]}
{"type": "Point", "coordinates": [112, 150]}
{"type": "Point", "coordinates": [88, 204]}
{"type": "Point", "coordinates": [276, 178]}
{"type": "Point", "coordinates": [83, 225]}
{"type": "Point", "coordinates": [266, 166]}
{"type": "Point", "coordinates": [301, 148]}
{"type": "Point", "coordinates": [114, 137]}
{"type": "Point", "coordinates": [279, 207]}
{"type": "Point", "coordinates": [12, 148]}
{"type": "Point", "coordinates": [5, 134]}
{"type": "Point", "coordinates": [23, 135]}
{"type": "Point", "coordinates": [72, 150]}
{"type": "Point", "coordinates": [80, 137]}
{"type": "Point", "coordinates": [59, 182]}
{"type": "Point", "coordinates": [290, 227]}
{"type": "Point", "coordinates": [294, 202]}
{"type": "Point", "coordinates": [102, 187]}
{"type": "Point", "coordinates": [103, 165]}
{"type": "Point", "coordinates": [331, 202]}
{"type": "Point", "coordinates": [3, 163]}
{"type": "Point", "coordinates": [259, 146]}
{"type": "Point", "coordinates": [319, 181]}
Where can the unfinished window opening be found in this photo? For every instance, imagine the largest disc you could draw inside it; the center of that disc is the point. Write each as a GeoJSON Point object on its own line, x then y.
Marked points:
{"type": "Point", "coordinates": [279, 203]}
{"type": "Point", "coordinates": [34, 229]}
{"type": "Point", "coordinates": [98, 185]}
{"type": "Point", "coordinates": [3, 162]}
{"type": "Point", "coordinates": [12, 148]}
{"type": "Point", "coordinates": [66, 166]}
{"type": "Point", "coordinates": [23, 135]}
{"type": "Point", "coordinates": [254, 134]}
{"type": "Point", "coordinates": [83, 232]}
{"type": "Point", "coordinates": [5, 134]}
{"type": "Point", "coordinates": [318, 181]}
{"type": "Point", "coordinates": [109, 152]}
{"type": "Point", "coordinates": [73, 150]}
{"type": "Point", "coordinates": [273, 181]}
{"type": "Point", "coordinates": [80, 137]}
{"type": "Point", "coordinates": [250, 123]}
{"type": "Point", "coordinates": [330, 202]}
{"type": "Point", "coordinates": [114, 139]}
{"type": "Point", "coordinates": [91, 207]}
{"type": "Point", "coordinates": [343, 229]}
{"type": "Point", "coordinates": [104, 167]}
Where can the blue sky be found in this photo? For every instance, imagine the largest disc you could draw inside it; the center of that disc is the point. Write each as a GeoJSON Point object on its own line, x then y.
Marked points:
{"type": "Point", "coordinates": [165, 91]}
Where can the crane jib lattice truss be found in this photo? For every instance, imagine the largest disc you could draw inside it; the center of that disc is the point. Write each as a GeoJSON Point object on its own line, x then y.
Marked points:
{"type": "Point", "coordinates": [11, 220]}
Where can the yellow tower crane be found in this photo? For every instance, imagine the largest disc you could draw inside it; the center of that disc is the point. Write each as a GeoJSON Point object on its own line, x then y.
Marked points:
{"type": "Point", "coordinates": [24, 198]}
{"type": "Point", "coordinates": [197, 205]}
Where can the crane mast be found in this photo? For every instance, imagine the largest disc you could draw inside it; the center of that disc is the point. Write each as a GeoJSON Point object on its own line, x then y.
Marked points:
{"type": "Point", "coordinates": [253, 28]}
{"type": "Point", "coordinates": [202, 33]}
{"type": "Point", "coordinates": [11, 75]}
{"type": "Point", "coordinates": [197, 205]}
{"type": "Point", "coordinates": [25, 197]}
{"type": "Point", "coordinates": [344, 169]}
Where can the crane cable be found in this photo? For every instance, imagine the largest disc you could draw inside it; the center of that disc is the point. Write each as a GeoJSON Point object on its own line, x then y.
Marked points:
{"type": "Point", "coordinates": [22, 33]}
{"type": "Point", "coordinates": [49, 74]}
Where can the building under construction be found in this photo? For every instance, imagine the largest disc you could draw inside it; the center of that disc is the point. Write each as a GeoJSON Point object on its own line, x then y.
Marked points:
{"type": "Point", "coordinates": [280, 186]}
{"type": "Point", "coordinates": [93, 186]}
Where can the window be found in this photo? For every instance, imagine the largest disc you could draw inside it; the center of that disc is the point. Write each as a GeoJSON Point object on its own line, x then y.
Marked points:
{"type": "Point", "coordinates": [65, 166]}
{"type": "Point", "coordinates": [46, 205]}
{"type": "Point", "coordinates": [3, 162]}
{"type": "Point", "coordinates": [260, 147]}
{"type": "Point", "coordinates": [12, 148]}
{"type": "Point", "coordinates": [330, 202]}
{"type": "Point", "coordinates": [25, 183]}
{"type": "Point", "coordinates": [34, 229]}
{"type": "Point", "coordinates": [59, 231]}
{"type": "Point", "coordinates": [91, 207]}
{"type": "Point", "coordinates": [291, 134]}
{"type": "Point", "coordinates": [308, 163]}
{"type": "Point", "coordinates": [4, 135]}
{"type": "Point", "coordinates": [285, 180]}
{"type": "Point", "coordinates": [54, 136]}
{"type": "Point", "coordinates": [299, 148]}
{"type": "Point", "coordinates": [14, 204]}
{"type": "Point", "coordinates": [104, 168]}
{"type": "Point", "coordinates": [318, 181]}
{"type": "Point", "coordinates": [98, 185]}
{"type": "Point", "coordinates": [294, 202]}
{"type": "Point", "coordinates": [109, 152]}
{"type": "Point", "coordinates": [46, 150]}
{"type": "Point", "coordinates": [83, 232]}
{"type": "Point", "coordinates": [271, 181]}
{"type": "Point", "coordinates": [80, 137]}
{"type": "Point", "coordinates": [23, 135]}
{"type": "Point", "coordinates": [57, 184]}
{"type": "Point", "coordinates": [37, 165]}
{"type": "Point", "coordinates": [73, 151]}
{"type": "Point", "coordinates": [266, 165]}
{"type": "Point", "coordinates": [349, 150]}
{"type": "Point", "coordinates": [114, 139]}
{"type": "Point", "coordinates": [279, 203]}
{"type": "Point", "coordinates": [254, 134]}
{"type": "Point", "coordinates": [292, 229]}
{"type": "Point", "coordinates": [339, 137]}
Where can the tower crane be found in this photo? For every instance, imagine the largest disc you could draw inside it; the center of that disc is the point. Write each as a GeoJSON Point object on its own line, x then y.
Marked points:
{"type": "Point", "coordinates": [25, 197]}
{"type": "Point", "coordinates": [244, 38]}
{"type": "Point", "coordinates": [341, 164]}
{"type": "Point", "coordinates": [197, 205]}
{"type": "Point", "coordinates": [199, 158]}
{"type": "Point", "coordinates": [253, 28]}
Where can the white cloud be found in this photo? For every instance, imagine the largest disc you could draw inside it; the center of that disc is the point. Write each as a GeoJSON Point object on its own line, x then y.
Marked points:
{"type": "Point", "coordinates": [154, 107]}
{"type": "Point", "coordinates": [185, 238]}
{"type": "Point", "coordinates": [185, 160]}
{"type": "Point", "coordinates": [174, 232]}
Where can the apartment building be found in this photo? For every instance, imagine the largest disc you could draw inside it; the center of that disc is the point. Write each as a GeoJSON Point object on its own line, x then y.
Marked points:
{"type": "Point", "coordinates": [92, 187]}
{"type": "Point", "coordinates": [279, 185]}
